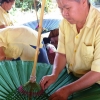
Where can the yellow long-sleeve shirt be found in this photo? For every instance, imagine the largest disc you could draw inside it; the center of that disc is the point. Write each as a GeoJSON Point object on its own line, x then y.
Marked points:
{"type": "Point", "coordinates": [5, 18]}
{"type": "Point", "coordinates": [17, 40]}
{"type": "Point", "coordinates": [82, 49]}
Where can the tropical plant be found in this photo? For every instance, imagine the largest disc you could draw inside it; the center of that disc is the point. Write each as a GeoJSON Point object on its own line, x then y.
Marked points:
{"type": "Point", "coordinates": [29, 4]}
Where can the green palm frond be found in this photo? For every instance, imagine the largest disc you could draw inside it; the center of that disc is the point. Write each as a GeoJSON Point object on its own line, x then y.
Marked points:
{"type": "Point", "coordinates": [13, 74]}
{"type": "Point", "coordinates": [91, 93]}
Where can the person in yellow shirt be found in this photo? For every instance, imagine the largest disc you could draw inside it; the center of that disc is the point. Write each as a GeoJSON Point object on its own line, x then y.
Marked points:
{"type": "Point", "coordinates": [79, 47]}
{"type": "Point", "coordinates": [5, 19]}
{"type": "Point", "coordinates": [20, 42]}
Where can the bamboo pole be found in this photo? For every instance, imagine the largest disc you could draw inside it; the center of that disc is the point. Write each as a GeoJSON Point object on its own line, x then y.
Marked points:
{"type": "Point", "coordinates": [33, 74]}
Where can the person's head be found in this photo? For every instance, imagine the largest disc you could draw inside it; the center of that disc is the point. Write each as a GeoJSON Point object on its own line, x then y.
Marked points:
{"type": "Point", "coordinates": [74, 11]}
{"type": "Point", "coordinates": [7, 4]}
{"type": "Point", "coordinates": [54, 37]}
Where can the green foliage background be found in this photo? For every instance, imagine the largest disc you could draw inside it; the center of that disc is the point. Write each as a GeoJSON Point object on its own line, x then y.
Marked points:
{"type": "Point", "coordinates": [29, 4]}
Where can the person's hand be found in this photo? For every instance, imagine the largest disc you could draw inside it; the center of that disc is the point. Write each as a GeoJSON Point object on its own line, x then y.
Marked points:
{"type": "Point", "coordinates": [46, 81]}
{"type": "Point", "coordinates": [60, 94]}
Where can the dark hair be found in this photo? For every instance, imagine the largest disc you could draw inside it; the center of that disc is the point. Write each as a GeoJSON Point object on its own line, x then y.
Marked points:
{"type": "Point", "coordinates": [7, 1]}
{"type": "Point", "coordinates": [80, 0]}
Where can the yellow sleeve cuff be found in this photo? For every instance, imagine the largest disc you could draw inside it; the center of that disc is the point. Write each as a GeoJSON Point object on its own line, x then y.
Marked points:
{"type": "Point", "coordinates": [96, 65]}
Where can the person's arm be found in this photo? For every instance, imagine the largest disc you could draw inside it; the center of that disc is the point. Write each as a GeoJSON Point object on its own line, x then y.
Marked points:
{"type": "Point", "coordinates": [59, 64]}
{"type": "Point", "coordinates": [2, 26]}
{"type": "Point", "coordinates": [2, 54]}
{"type": "Point", "coordinates": [84, 82]}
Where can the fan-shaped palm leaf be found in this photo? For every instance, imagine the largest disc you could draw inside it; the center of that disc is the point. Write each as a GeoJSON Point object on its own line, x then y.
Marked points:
{"type": "Point", "coordinates": [48, 24]}
{"type": "Point", "coordinates": [13, 74]}
{"type": "Point", "coordinates": [16, 73]}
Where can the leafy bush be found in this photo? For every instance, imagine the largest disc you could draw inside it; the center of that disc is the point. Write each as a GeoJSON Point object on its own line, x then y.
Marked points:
{"type": "Point", "coordinates": [29, 4]}
{"type": "Point", "coordinates": [24, 5]}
